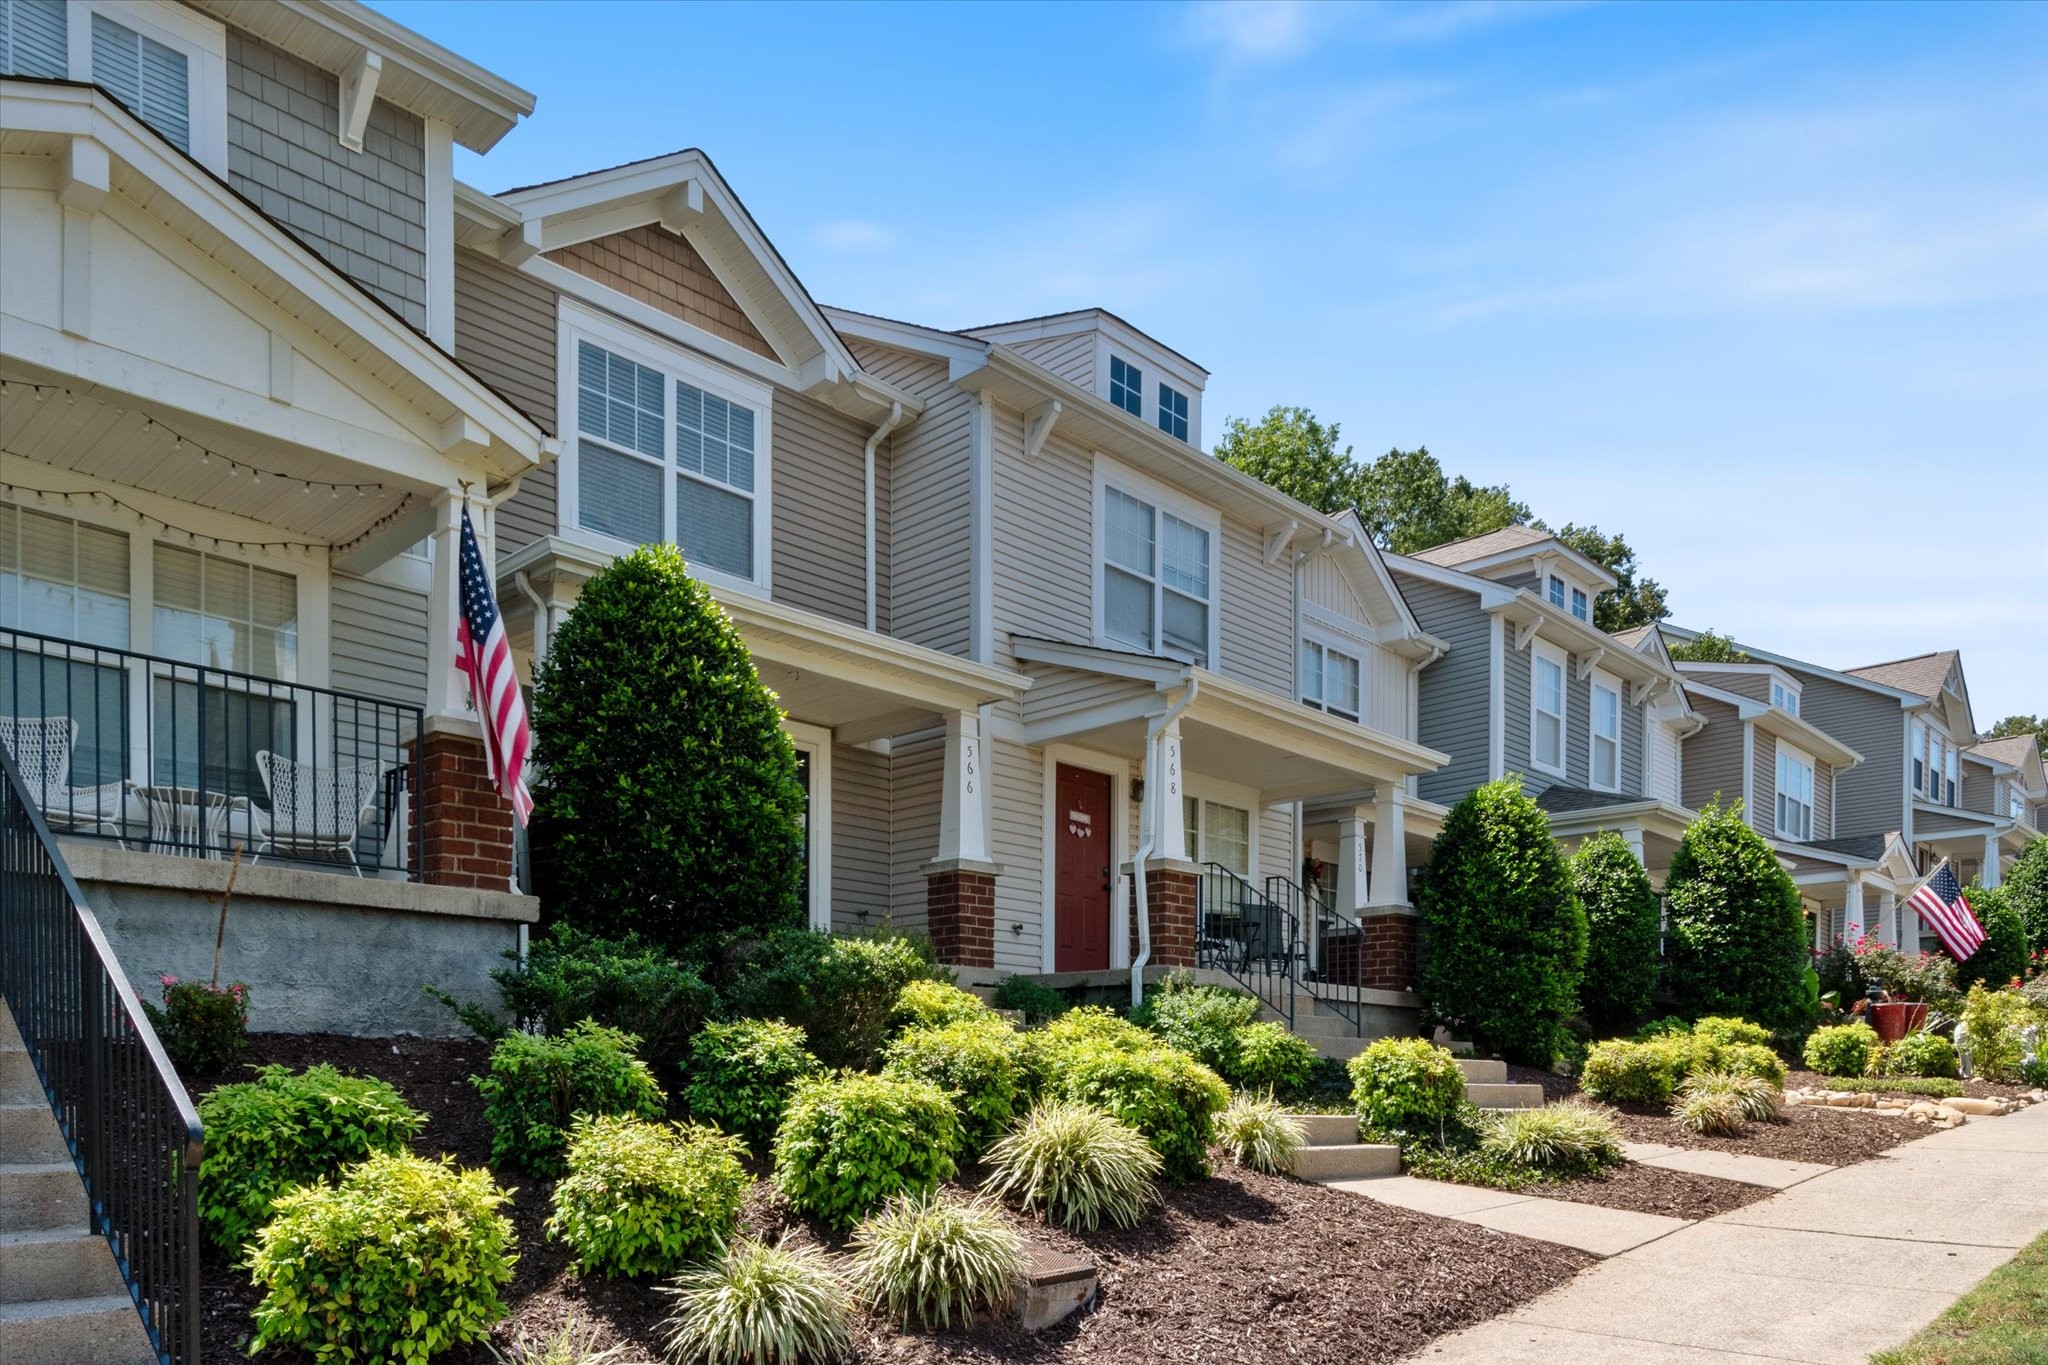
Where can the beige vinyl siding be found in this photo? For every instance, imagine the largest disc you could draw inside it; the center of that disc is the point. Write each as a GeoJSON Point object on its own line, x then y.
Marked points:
{"type": "Point", "coordinates": [860, 837]}
{"type": "Point", "coordinates": [1256, 631]}
{"type": "Point", "coordinates": [1058, 692]}
{"type": "Point", "coordinates": [819, 537]}
{"type": "Point", "coordinates": [1870, 797]}
{"type": "Point", "coordinates": [1980, 790]}
{"type": "Point", "coordinates": [916, 774]}
{"type": "Point", "coordinates": [506, 333]}
{"type": "Point", "coordinates": [929, 532]}
{"type": "Point", "coordinates": [1044, 540]}
{"type": "Point", "coordinates": [1278, 855]}
{"type": "Point", "coordinates": [1017, 802]}
{"type": "Point", "coordinates": [1756, 686]}
{"type": "Point", "coordinates": [378, 639]}
{"type": "Point", "coordinates": [1453, 692]}
{"type": "Point", "coordinates": [1823, 800]}
{"type": "Point", "coordinates": [1071, 357]}
{"type": "Point", "coordinates": [1713, 757]}
{"type": "Point", "coordinates": [1764, 817]}
{"type": "Point", "coordinates": [1666, 756]}
{"type": "Point", "coordinates": [654, 266]}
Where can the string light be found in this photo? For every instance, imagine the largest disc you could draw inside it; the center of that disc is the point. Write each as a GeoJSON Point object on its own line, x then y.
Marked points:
{"type": "Point", "coordinates": [93, 497]}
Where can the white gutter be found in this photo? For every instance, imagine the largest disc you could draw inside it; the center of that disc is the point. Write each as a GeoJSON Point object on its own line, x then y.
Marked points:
{"type": "Point", "coordinates": [894, 420]}
{"type": "Point", "coordinates": [1153, 728]}
{"type": "Point", "coordinates": [543, 619]}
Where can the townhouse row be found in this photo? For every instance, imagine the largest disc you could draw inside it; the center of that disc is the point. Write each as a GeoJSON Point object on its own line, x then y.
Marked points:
{"type": "Point", "coordinates": [1068, 692]}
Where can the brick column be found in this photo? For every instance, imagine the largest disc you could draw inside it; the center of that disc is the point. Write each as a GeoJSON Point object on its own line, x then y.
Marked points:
{"type": "Point", "coordinates": [465, 825]}
{"type": "Point", "coordinates": [1386, 951]}
{"type": "Point", "coordinates": [960, 912]}
{"type": "Point", "coordinates": [1171, 893]}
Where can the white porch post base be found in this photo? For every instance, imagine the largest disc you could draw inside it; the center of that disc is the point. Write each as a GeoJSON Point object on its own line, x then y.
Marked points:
{"type": "Point", "coordinates": [1390, 845]}
{"type": "Point", "coordinates": [1351, 871]}
{"type": "Point", "coordinates": [1852, 910]}
{"type": "Point", "coordinates": [963, 793]}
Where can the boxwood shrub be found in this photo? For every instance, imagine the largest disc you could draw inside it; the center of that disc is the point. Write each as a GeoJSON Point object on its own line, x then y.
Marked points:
{"type": "Point", "coordinates": [849, 1142]}
{"type": "Point", "coordinates": [1035, 1002]}
{"type": "Point", "coordinates": [1921, 1054]}
{"type": "Point", "coordinates": [1201, 1021]}
{"type": "Point", "coordinates": [976, 1062]}
{"type": "Point", "coordinates": [742, 1073]}
{"type": "Point", "coordinates": [288, 1128]}
{"type": "Point", "coordinates": [934, 1004]}
{"type": "Point", "coordinates": [1841, 1049]}
{"type": "Point", "coordinates": [840, 989]}
{"type": "Point", "coordinates": [1727, 1029]}
{"type": "Point", "coordinates": [1269, 1058]}
{"type": "Point", "coordinates": [1405, 1085]}
{"type": "Point", "coordinates": [627, 983]}
{"type": "Point", "coordinates": [537, 1086]}
{"type": "Point", "coordinates": [1622, 1072]}
{"type": "Point", "coordinates": [643, 1198]}
{"type": "Point", "coordinates": [1161, 1091]}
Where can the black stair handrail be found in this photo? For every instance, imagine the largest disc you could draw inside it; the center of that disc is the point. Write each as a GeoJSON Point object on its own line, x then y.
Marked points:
{"type": "Point", "coordinates": [1250, 937]}
{"type": "Point", "coordinates": [1328, 928]}
{"type": "Point", "coordinates": [131, 1129]}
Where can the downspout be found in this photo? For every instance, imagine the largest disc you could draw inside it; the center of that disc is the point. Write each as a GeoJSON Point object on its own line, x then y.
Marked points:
{"type": "Point", "coordinates": [1153, 729]}
{"type": "Point", "coordinates": [543, 620]}
{"type": "Point", "coordinates": [894, 420]}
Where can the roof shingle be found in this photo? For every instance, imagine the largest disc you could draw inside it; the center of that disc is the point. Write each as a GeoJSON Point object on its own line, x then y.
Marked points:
{"type": "Point", "coordinates": [1924, 675]}
{"type": "Point", "coordinates": [1479, 547]}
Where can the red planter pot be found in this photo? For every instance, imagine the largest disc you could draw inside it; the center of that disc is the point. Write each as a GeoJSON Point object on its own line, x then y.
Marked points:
{"type": "Point", "coordinates": [1895, 1019]}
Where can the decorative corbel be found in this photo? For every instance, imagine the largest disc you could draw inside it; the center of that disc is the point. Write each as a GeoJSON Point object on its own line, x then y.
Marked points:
{"type": "Point", "coordinates": [1588, 662]}
{"type": "Point", "coordinates": [358, 94]}
{"type": "Point", "coordinates": [1526, 632]}
{"type": "Point", "coordinates": [1038, 425]}
{"type": "Point", "coordinates": [1278, 538]}
{"type": "Point", "coordinates": [682, 206]}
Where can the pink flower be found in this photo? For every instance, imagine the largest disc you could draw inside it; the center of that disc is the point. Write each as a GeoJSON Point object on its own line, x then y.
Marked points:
{"type": "Point", "coordinates": [168, 980]}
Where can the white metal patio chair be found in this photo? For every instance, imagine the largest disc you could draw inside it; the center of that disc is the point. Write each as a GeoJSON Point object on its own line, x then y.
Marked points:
{"type": "Point", "coordinates": [314, 810]}
{"type": "Point", "coordinates": [42, 747]}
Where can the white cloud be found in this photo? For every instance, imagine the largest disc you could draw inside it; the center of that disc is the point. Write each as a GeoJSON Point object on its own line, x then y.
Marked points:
{"type": "Point", "coordinates": [1252, 30]}
{"type": "Point", "coordinates": [851, 235]}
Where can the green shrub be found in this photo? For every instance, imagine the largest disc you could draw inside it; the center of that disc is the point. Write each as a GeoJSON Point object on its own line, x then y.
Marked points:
{"type": "Point", "coordinates": [1201, 1021]}
{"type": "Point", "coordinates": [1272, 1059]}
{"type": "Point", "coordinates": [1075, 1165]}
{"type": "Point", "coordinates": [934, 1004]}
{"type": "Point", "coordinates": [1628, 1073]}
{"type": "Point", "coordinates": [399, 1259]}
{"type": "Point", "coordinates": [2026, 890]}
{"type": "Point", "coordinates": [643, 1197]}
{"type": "Point", "coordinates": [1921, 1054]}
{"type": "Point", "coordinates": [760, 1305]}
{"type": "Point", "coordinates": [977, 1063]}
{"type": "Point", "coordinates": [203, 1028]}
{"type": "Point", "coordinates": [1623, 923]}
{"type": "Point", "coordinates": [1561, 1139]}
{"type": "Point", "coordinates": [1405, 1084]}
{"type": "Point", "coordinates": [1161, 1091]}
{"type": "Point", "coordinates": [1506, 933]}
{"type": "Point", "coordinates": [1747, 1059]}
{"type": "Point", "coordinates": [1755, 1098]}
{"type": "Point", "coordinates": [2002, 957]}
{"type": "Point", "coordinates": [1666, 1027]}
{"type": "Point", "coordinates": [1848, 971]}
{"type": "Point", "coordinates": [1712, 1112]}
{"type": "Point", "coordinates": [849, 1142]}
{"type": "Point", "coordinates": [741, 1075]}
{"type": "Point", "coordinates": [1723, 1029]}
{"type": "Point", "coordinates": [1935, 1087]}
{"type": "Point", "coordinates": [1992, 1020]}
{"type": "Point", "coordinates": [1841, 1049]}
{"type": "Point", "coordinates": [1035, 1002]}
{"type": "Point", "coordinates": [1261, 1135]}
{"type": "Point", "coordinates": [671, 804]}
{"type": "Point", "coordinates": [538, 1086]}
{"type": "Point", "coordinates": [926, 1259]}
{"type": "Point", "coordinates": [288, 1128]}
{"type": "Point", "coordinates": [1737, 936]}
{"type": "Point", "coordinates": [841, 990]}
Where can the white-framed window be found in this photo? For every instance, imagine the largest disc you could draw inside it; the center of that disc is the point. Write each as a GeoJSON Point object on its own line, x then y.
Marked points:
{"type": "Point", "coordinates": [1556, 591]}
{"type": "Point", "coordinates": [63, 578]}
{"type": "Point", "coordinates": [1785, 698]}
{"type": "Point", "coordinates": [813, 746]}
{"type": "Point", "coordinates": [1173, 412]}
{"type": "Point", "coordinates": [1546, 708]}
{"type": "Point", "coordinates": [1332, 679]}
{"type": "Point", "coordinates": [1603, 745]}
{"type": "Point", "coordinates": [223, 613]}
{"type": "Point", "coordinates": [1157, 569]}
{"type": "Point", "coordinates": [1581, 605]}
{"type": "Point", "coordinates": [664, 446]}
{"type": "Point", "coordinates": [32, 39]}
{"type": "Point", "coordinates": [2016, 807]}
{"type": "Point", "coordinates": [1219, 833]}
{"type": "Point", "coordinates": [165, 62]}
{"type": "Point", "coordinates": [1795, 794]}
{"type": "Point", "coordinates": [1934, 764]}
{"type": "Point", "coordinates": [1127, 386]}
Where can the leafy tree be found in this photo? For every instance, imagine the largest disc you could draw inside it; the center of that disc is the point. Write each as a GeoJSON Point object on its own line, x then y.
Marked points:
{"type": "Point", "coordinates": [1293, 452]}
{"type": "Point", "coordinates": [1707, 648]}
{"type": "Point", "coordinates": [2026, 890]}
{"type": "Point", "coordinates": [1506, 937]}
{"type": "Point", "coordinates": [1737, 937]}
{"type": "Point", "coordinates": [1636, 602]}
{"type": "Point", "coordinates": [2002, 955]}
{"type": "Point", "coordinates": [1621, 934]}
{"type": "Point", "coordinates": [671, 805]}
{"type": "Point", "coordinates": [1408, 503]}
{"type": "Point", "coordinates": [2037, 726]}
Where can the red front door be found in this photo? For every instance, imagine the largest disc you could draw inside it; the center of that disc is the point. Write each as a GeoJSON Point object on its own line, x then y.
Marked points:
{"type": "Point", "coordinates": [1083, 850]}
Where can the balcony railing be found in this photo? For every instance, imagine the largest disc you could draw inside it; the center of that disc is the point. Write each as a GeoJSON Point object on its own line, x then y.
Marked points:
{"type": "Point", "coordinates": [172, 757]}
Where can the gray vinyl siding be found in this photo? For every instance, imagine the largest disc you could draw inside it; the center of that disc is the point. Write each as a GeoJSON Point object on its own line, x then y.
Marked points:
{"type": "Point", "coordinates": [930, 479]}
{"type": "Point", "coordinates": [378, 639]}
{"type": "Point", "coordinates": [860, 837]}
{"type": "Point", "coordinates": [1278, 856]}
{"type": "Point", "coordinates": [1255, 635]}
{"type": "Point", "coordinates": [916, 776]}
{"type": "Point", "coordinates": [1017, 837]}
{"type": "Point", "coordinates": [365, 212]}
{"type": "Point", "coordinates": [1870, 797]}
{"type": "Point", "coordinates": [1823, 801]}
{"type": "Point", "coordinates": [1763, 817]}
{"type": "Point", "coordinates": [506, 334]}
{"type": "Point", "coordinates": [1453, 691]}
{"type": "Point", "coordinates": [818, 540]}
{"type": "Point", "coordinates": [1756, 686]}
{"type": "Point", "coordinates": [1578, 730]}
{"type": "Point", "coordinates": [1071, 357]}
{"type": "Point", "coordinates": [1632, 748]}
{"type": "Point", "coordinates": [1713, 757]}
{"type": "Point", "coordinates": [1515, 718]}
{"type": "Point", "coordinates": [1044, 543]}
{"type": "Point", "coordinates": [1980, 790]}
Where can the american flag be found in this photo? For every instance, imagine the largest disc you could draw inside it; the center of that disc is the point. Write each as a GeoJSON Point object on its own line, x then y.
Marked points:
{"type": "Point", "coordinates": [1940, 902]}
{"type": "Point", "coordinates": [484, 656]}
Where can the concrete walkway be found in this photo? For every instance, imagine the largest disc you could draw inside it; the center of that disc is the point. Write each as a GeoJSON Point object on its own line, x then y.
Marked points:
{"type": "Point", "coordinates": [1839, 1265]}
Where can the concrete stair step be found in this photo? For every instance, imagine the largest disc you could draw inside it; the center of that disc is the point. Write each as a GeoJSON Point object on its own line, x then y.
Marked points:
{"type": "Point", "coordinates": [1489, 1095]}
{"type": "Point", "coordinates": [56, 1265]}
{"type": "Point", "coordinates": [1348, 1161]}
{"type": "Point", "coordinates": [101, 1330]}
{"type": "Point", "coordinates": [1484, 1071]}
{"type": "Point", "coordinates": [28, 1132]}
{"type": "Point", "coordinates": [18, 1081]}
{"type": "Point", "coordinates": [41, 1195]}
{"type": "Point", "coordinates": [1328, 1130]}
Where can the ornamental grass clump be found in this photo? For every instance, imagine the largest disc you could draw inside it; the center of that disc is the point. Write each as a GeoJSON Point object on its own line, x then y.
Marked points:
{"type": "Point", "coordinates": [760, 1305]}
{"type": "Point", "coordinates": [568, 1344]}
{"type": "Point", "coordinates": [928, 1260]}
{"type": "Point", "coordinates": [742, 1075]}
{"type": "Point", "coordinates": [288, 1128]}
{"type": "Point", "coordinates": [976, 1062]}
{"type": "Point", "coordinates": [1754, 1097]}
{"type": "Point", "coordinates": [1161, 1091]}
{"type": "Point", "coordinates": [643, 1198]}
{"type": "Point", "coordinates": [935, 1004]}
{"type": "Point", "coordinates": [849, 1142]}
{"type": "Point", "coordinates": [1075, 1165]}
{"type": "Point", "coordinates": [1841, 1049]}
{"type": "Point", "coordinates": [1568, 1138]}
{"type": "Point", "coordinates": [1711, 1112]}
{"type": "Point", "coordinates": [399, 1259]}
{"type": "Point", "coordinates": [1261, 1135]}
{"type": "Point", "coordinates": [538, 1086]}
{"type": "Point", "coordinates": [1407, 1085]}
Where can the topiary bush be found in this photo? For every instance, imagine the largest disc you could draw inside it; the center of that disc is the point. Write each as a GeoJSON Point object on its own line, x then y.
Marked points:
{"type": "Point", "coordinates": [934, 1004]}
{"type": "Point", "coordinates": [1628, 1073]}
{"type": "Point", "coordinates": [1560, 1139]}
{"type": "Point", "coordinates": [1161, 1091]}
{"type": "Point", "coordinates": [841, 989]}
{"type": "Point", "coordinates": [397, 1260]}
{"type": "Point", "coordinates": [1201, 1021]}
{"type": "Point", "coordinates": [1261, 1135]}
{"type": "Point", "coordinates": [2002, 957]}
{"type": "Point", "coordinates": [1737, 936]}
{"type": "Point", "coordinates": [1075, 1165]}
{"type": "Point", "coordinates": [1723, 1029]}
{"type": "Point", "coordinates": [1841, 1049]}
{"type": "Point", "coordinates": [1622, 927]}
{"type": "Point", "coordinates": [932, 1260]}
{"type": "Point", "coordinates": [1269, 1058]}
{"type": "Point", "coordinates": [537, 1087]}
{"type": "Point", "coordinates": [1405, 1085]}
{"type": "Point", "coordinates": [288, 1128]}
{"type": "Point", "coordinates": [759, 1304]}
{"type": "Point", "coordinates": [670, 804]}
{"type": "Point", "coordinates": [849, 1142]}
{"type": "Point", "coordinates": [742, 1074]}
{"type": "Point", "coordinates": [642, 1198]}
{"type": "Point", "coordinates": [1035, 1002]}
{"type": "Point", "coordinates": [1506, 936]}
{"type": "Point", "coordinates": [976, 1062]}
{"type": "Point", "coordinates": [1921, 1054]}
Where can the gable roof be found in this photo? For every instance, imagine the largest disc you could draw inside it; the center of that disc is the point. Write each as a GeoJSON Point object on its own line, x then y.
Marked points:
{"type": "Point", "coordinates": [1075, 320]}
{"type": "Point", "coordinates": [1456, 552]}
{"type": "Point", "coordinates": [2012, 750]}
{"type": "Point", "coordinates": [1634, 636]}
{"type": "Point", "coordinates": [1924, 675]}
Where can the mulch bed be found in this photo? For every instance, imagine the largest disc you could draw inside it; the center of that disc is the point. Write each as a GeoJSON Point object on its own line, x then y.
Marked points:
{"type": "Point", "coordinates": [1977, 1087]}
{"type": "Point", "coordinates": [1652, 1189]}
{"type": "Point", "coordinates": [1240, 1268]}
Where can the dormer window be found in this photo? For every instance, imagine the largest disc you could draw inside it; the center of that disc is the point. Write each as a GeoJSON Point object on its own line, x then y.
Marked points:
{"type": "Point", "coordinates": [1581, 607]}
{"type": "Point", "coordinates": [1127, 386]}
{"type": "Point", "coordinates": [1173, 412]}
{"type": "Point", "coordinates": [1785, 698]}
{"type": "Point", "coordinates": [1330, 679]}
{"type": "Point", "coordinates": [1556, 591]}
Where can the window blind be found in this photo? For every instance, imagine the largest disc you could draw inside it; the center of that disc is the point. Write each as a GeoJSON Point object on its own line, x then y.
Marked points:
{"type": "Point", "coordinates": [715, 527]}
{"type": "Point", "coordinates": [60, 578]}
{"type": "Point", "coordinates": [148, 77]}
{"type": "Point", "coordinates": [33, 39]}
{"type": "Point", "coordinates": [618, 495]}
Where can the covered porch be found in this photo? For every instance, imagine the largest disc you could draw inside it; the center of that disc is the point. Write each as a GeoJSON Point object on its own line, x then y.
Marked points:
{"type": "Point", "coordinates": [1976, 843]}
{"type": "Point", "coordinates": [1856, 888]}
{"type": "Point", "coordinates": [1653, 828]}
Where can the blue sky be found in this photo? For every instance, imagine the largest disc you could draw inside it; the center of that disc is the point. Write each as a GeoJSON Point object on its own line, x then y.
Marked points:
{"type": "Point", "coordinates": [1763, 287]}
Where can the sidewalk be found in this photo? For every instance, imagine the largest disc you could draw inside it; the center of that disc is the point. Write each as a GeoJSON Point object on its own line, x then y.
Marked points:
{"type": "Point", "coordinates": [1847, 1262]}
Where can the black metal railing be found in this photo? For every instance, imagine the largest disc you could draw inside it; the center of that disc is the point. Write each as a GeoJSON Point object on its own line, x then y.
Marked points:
{"type": "Point", "coordinates": [130, 1126]}
{"type": "Point", "coordinates": [1249, 936]}
{"type": "Point", "coordinates": [173, 757]}
{"type": "Point", "coordinates": [1333, 960]}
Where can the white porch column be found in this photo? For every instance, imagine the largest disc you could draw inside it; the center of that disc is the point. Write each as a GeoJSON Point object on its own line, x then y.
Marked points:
{"type": "Point", "coordinates": [1389, 884]}
{"type": "Point", "coordinates": [1634, 835]}
{"type": "Point", "coordinates": [1352, 884]}
{"type": "Point", "coordinates": [447, 692]}
{"type": "Point", "coordinates": [1990, 874]}
{"type": "Point", "coordinates": [963, 795]}
{"type": "Point", "coordinates": [1166, 790]}
{"type": "Point", "coordinates": [1852, 908]}
{"type": "Point", "coordinates": [1888, 918]}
